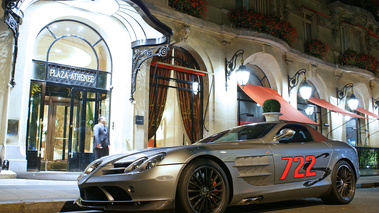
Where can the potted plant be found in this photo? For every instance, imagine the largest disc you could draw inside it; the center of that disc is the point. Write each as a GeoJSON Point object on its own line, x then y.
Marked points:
{"type": "Point", "coordinates": [271, 110]}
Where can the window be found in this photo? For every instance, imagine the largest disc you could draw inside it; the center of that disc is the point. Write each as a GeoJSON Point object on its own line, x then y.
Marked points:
{"type": "Point", "coordinates": [172, 97]}
{"type": "Point", "coordinates": [242, 3]}
{"type": "Point", "coordinates": [242, 133]}
{"type": "Point", "coordinates": [302, 134]}
{"type": "Point", "coordinates": [344, 39]}
{"type": "Point", "coordinates": [248, 110]}
{"type": "Point", "coordinates": [311, 110]}
{"type": "Point", "coordinates": [309, 25]}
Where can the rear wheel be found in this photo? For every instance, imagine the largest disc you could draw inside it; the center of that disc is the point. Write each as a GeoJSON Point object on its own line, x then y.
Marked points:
{"type": "Point", "coordinates": [343, 184]}
{"type": "Point", "coordinates": [202, 187]}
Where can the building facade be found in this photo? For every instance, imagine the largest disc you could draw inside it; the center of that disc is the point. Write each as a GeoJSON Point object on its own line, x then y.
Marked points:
{"type": "Point", "coordinates": [77, 60]}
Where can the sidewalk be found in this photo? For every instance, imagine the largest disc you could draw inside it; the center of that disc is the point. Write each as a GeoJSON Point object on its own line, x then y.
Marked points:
{"type": "Point", "coordinates": [57, 191]}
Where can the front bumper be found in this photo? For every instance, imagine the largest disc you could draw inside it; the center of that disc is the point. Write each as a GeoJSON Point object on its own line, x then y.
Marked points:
{"type": "Point", "coordinates": [154, 189]}
{"type": "Point", "coordinates": [125, 206]}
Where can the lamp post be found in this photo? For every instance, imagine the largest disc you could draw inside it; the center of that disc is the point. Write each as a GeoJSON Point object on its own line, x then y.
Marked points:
{"type": "Point", "coordinates": [242, 72]}
{"type": "Point", "coordinates": [305, 89]}
{"type": "Point", "coordinates": [353, 101]}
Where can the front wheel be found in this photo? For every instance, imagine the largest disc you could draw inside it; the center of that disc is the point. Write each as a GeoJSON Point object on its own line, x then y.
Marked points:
{"type": "Point", "coordinates": [343, 184]}
{"type": "Point", "coordinates": [202, 187]}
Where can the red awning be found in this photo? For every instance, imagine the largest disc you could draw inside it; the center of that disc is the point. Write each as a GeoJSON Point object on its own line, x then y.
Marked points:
{"type": "Point", "coordinates": [260, 94]}
{"type": "Point", "coordinates": [179, 68]}
{"type": "Point", "coordinates": [334, 108]}
{"type": "Point", "coordinates": [359, 109]}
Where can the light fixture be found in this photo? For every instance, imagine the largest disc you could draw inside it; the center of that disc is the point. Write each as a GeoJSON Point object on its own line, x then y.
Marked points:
{"type": "Point", "coordinates": [353, 102]}
{"type": "Point", "coordinates": [305, 89]}
{"type": "Point", "coordinates": [310, 110]}
{"type": "Point", "coordinates": [242, 72]}
{"type": "Point", "coordinates": [342, 93]}
{"type": "Point", "coordinates": [195, 87]}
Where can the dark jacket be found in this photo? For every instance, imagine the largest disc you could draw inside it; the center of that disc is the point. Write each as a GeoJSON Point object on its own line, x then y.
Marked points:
{"type": "Point", "coordinates": [101, 136]}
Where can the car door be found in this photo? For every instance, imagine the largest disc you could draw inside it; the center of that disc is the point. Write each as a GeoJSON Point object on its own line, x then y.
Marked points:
{"type": "Point", "coordinates": [299, 158]}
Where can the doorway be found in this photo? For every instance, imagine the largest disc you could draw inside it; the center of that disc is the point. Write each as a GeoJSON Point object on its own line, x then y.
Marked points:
{"type": "Point", "coordinates": [60, 126]}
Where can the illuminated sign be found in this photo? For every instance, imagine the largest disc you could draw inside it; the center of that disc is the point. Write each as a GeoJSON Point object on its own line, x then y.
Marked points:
{"type": "Point", "coordinates": [66, 75]}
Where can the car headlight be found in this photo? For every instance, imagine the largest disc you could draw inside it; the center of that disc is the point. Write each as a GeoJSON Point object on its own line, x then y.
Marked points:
{"type": "Point", "coordinates": [145, 163]}
{"type": "Point", "coordinates": [92, 166]}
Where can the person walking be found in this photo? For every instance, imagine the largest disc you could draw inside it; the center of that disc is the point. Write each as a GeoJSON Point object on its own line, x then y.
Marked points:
{"type": "Point", "coordinates": [101, 138]}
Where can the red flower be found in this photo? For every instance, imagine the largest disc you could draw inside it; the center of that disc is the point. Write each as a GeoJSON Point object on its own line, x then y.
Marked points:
{"type": "Point", "coordinates": [360, 60]}
{"type": "Point", "coordinates": [249, 19]}
{"type": "Point", "coordinates": [316, 48]}
{"type": "Point", "coordinates": [197, 8]}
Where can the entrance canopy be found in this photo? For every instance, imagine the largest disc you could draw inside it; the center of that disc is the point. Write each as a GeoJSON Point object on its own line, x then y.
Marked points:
{"type": "Point", "coordinates": [260, 94]}
{"type": "Point", "coordinates": [334, 108]}
{"type": "Point", "coordinates": [144, 28]}
{"type": "Point", "coordinates": [364, 111]}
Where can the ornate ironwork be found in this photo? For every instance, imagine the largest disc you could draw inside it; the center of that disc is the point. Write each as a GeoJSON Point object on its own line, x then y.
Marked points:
{"type": "Point", "coordinates": [343, 92]}
{"type": "Point", "coordinates": [13, 18]}
{"type": "Point", "coordinates": [375, 102]}
{"type": "Point", "coordinates": [230, 66]}
{"type": "Point", "coordinates": [294, 81]}
{"type": "Point", "coordinates": [140, 56]}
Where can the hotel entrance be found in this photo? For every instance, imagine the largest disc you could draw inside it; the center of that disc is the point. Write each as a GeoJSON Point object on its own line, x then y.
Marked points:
{"type": "Point", "coordinates": [60, 127]}
{"type": "Point", "coordinates": [69, 90]}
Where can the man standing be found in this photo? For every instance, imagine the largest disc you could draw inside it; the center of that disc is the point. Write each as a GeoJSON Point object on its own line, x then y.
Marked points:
{"type": "Point", "coordinates": [101, 139]}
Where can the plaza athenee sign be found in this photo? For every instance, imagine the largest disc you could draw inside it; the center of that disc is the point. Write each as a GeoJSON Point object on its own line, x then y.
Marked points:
{"type": "Point", "coordinates": [71, 76]}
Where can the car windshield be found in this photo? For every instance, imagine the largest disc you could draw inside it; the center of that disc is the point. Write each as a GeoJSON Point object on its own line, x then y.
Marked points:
{"type": "Point", "coordinates": [241, 133]}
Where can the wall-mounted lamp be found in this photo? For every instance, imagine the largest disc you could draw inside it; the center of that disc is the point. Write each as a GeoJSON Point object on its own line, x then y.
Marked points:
{"type": "Point", "coordinates": [310, 110]}
{"type": "Point", "coordinates": [195, 87]}
{"type": "Point", "coordinates": [242, 72]}
{"type": "Point", "coordinates": [353, 101]}
{"type": "Point", "coordinates": [305, 89]}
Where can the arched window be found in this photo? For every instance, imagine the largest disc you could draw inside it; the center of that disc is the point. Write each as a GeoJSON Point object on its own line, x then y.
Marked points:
{"type": "Point", "coordinates": [170, 90]}
{"type": "Point", "coordinates": [312, 111]}
{"type": "Point", "coordinates": [248, 110]}
{"type": "Point", "coordinates": [72, 44]}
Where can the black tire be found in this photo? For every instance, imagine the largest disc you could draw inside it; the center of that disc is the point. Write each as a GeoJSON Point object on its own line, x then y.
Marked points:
{"type": "Point", "coordinates": [203, 187]}
{"type": "Point", "coordinates": [343, 184]}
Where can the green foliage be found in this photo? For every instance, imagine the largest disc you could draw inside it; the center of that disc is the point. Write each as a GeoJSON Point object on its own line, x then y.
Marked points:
{"type": "Point", "coordinates": [368, 157]}
{"type": "Point", "coordinates": [271, 105]}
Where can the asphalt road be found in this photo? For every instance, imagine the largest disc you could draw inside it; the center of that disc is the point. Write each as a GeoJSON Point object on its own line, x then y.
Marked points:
{"type": "Point", "coordinates": [366, 200]}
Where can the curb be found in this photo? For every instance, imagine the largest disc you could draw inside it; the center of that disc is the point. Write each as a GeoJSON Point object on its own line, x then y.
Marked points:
{"type": "Point", "coordinates": [367, 185]}
{"type": "Point", "coordinates": [39, 206]}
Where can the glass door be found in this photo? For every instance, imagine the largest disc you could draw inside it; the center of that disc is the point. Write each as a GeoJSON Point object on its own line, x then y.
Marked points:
{"type": "Point", "coordinates": [35, 126]}
{"type": "Point", "coordinates": [86, 107]}
{"type": "Point", "coordinates": [60, 127]}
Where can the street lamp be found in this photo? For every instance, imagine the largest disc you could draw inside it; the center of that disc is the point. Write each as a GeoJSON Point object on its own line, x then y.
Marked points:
{"type": "Point", "coordinates": [305, 89]}
{"type": "Point", "coordinates": [242, 72]}
{"type": "Point", "coordinates": [353, 101]}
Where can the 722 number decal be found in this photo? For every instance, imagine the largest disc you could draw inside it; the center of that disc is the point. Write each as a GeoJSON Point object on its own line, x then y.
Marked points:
{"type": "Point", "coordinates": [311, 159]}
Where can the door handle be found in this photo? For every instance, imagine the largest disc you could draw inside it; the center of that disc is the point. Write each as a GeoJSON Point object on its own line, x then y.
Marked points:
{"type": "Point", "coordinates": [39, 137]}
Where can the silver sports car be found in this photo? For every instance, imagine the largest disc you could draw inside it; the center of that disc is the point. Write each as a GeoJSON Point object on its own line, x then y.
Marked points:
{"type": "Point", "coordinates": [250, 164]}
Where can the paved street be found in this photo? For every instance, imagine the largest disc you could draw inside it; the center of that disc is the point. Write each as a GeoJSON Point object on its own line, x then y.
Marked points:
{"type": "Point", "coordinates": [31, 195]}
{"type": "Point", "coordinates": [366, 200]}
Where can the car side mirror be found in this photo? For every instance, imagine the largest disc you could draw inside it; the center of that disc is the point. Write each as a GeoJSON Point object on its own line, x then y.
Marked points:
{"type": "Point", "coordinates": [284, 133]}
